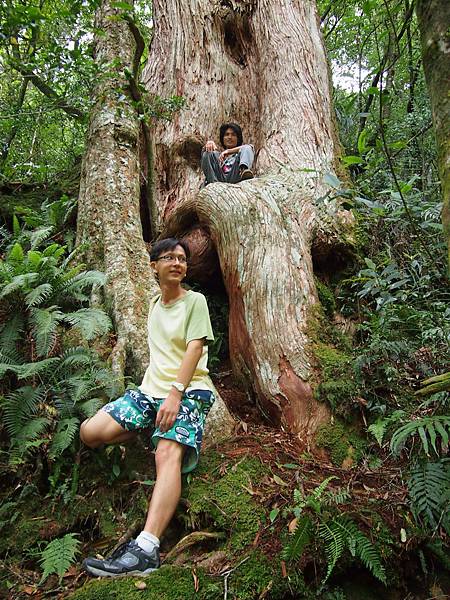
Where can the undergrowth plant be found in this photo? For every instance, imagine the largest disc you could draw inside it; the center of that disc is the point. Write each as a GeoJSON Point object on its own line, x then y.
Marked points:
{"type": "Point", "coordinates": [50, 381]}
{"type": "Point", "coordinates": [426, 439]}
{"type": "Point", "coordinates": [317, 518]}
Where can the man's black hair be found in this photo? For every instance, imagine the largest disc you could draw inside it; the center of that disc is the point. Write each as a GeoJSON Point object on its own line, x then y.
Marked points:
{"type": "Point", "coordinates": [237, 130]}
{"type": "Point", "coordinates": [167, 245]}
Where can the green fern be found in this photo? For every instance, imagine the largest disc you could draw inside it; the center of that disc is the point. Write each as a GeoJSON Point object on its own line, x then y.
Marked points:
{"type": "Point", "coordinates": [427, 428]}
{"type": "Point", "coordinates": [333, 535]}
{"type": "Point", "coordinates": [342, 532]}
{"type": "Point", "coordinates": [59, 555]}
{"type": "Point", "coordinates": [44, 322]}
{"type": "Point", "coordinates": [65, 434]}
{"type": "Point", "coordinates": [299, 539]}
{"type": "Point", "coordinates": [429, 491]}
{"type": "Point", "coordinates": [91, 322]}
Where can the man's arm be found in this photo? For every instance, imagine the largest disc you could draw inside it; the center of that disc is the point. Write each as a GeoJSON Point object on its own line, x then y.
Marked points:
{"type": "Point", "coordinates": [169, 408]}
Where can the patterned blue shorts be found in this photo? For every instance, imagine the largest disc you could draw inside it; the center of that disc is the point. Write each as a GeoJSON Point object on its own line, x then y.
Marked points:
{"type": "Point", "coordinates": [135, 411]}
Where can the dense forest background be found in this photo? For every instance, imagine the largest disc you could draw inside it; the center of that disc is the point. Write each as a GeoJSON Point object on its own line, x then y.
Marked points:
{"type": "Point", "coordinates": [360, 512]}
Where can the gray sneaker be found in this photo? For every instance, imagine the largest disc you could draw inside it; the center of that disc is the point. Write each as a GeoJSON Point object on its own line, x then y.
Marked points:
{"type": "Point", "coordinates": [128, 559]}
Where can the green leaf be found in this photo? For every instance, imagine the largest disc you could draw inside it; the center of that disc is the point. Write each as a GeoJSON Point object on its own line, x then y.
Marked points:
{"type": "Point", "coordinates": [16, 254]}
{"type": "Point", "coordinates": [273, 514]}
{"type": "Point", "coordinates": [299, 539]}
{"type": "Point", "coordinates": [59, 555]}
{"type": "Point", "coordinates": [352, 160]}
{"type": "Point", "coordinates": [362, 148]}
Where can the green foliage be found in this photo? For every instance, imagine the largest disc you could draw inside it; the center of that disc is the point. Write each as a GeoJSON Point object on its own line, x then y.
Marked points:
{"type": "Point", "coordinates": [427, 429]}
{"type": "Point", "coordinates": [429, 492]}
{"type": "Point", "coordinates": [338, 532]}
{"type": "Point", "coordinates": [48, 390]}
{"type": "Point", "coordinates": [59, 555]}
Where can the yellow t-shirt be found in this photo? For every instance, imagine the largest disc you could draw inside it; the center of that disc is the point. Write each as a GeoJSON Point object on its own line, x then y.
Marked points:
{"type": "Point", "coordinates": [170, 329]}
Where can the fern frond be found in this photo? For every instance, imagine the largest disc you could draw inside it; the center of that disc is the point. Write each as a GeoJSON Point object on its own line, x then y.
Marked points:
{"type": "Point", "coordinates": [74, 357]}
{"type": "Point", "coordinates": [319, 490]}
{"type": "Point", "coordinates": [333, 535]}
{"type": "Point", "coordinates": [11, 333]}
{"type": "Point", "coordinates": [340, 496]}
{"type": "Point", "coordinates": [369, 555]}
{"type": "Point", "coordinates": [19, 406]}
{"type": "Point", "coordinates": [341, 532]}
{"type": "Point", "coordinates": [299, 539]}
{"type": "Point", "coordinates": [429, 490]}
{"type": "Point", "coordinates": [40, 235]}
{"type": "Point", "coordinates": [45, 322]}
{"type": "Point", "coordinates": [38, 295]}
{"type": "Point", "coordinates": [34, 368]}
{"type": "Point", "coordinates": [378, 429]}
{"type": "Point", "coordinates": [29, 437]}
{"type": "Point", "coordinates": [59, 555]}
{"type": "Point", "coordinates": [438, 423]}
{"type": "Point", "coordinates": [65, 434]}
{"type": "Point", "coordinates": [76, 285]}
{"type": "Point", "coordinates": [20, 282]}
{"type": "Point", "coordinates": [88, 408]}
{"type": "Point", "coordinates": [91, 322]}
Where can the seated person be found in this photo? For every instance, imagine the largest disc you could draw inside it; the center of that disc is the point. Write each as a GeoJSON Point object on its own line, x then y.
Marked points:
{"type": "Point", "coordinates": [232, 165]}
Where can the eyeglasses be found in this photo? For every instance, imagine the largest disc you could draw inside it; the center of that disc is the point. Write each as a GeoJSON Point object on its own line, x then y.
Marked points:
{"type": "Point", "coordinates": [170, 258]}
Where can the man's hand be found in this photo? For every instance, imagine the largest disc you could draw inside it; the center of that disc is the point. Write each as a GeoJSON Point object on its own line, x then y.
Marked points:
{"type": "Point", "coordinates": [168, 410]}
{"type": "Point", "coordinates": [210, 146]}
{"type": "Point", "coordinates": [223, 155]}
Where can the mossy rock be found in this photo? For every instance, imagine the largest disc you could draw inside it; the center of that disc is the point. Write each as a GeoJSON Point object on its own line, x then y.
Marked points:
{"type": "Point", "coordinates": [218, 496]}
{"type": "Point", "coordinates": [253, 576]}
{"type": "Point", "coordinates": [168, 583]}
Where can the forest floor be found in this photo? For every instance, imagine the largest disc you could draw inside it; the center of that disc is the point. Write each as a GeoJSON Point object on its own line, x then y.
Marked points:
{"type": "Point", "coordinates": [260, 465]}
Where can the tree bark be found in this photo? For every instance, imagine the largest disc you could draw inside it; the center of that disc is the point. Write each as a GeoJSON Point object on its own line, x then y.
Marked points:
{"type": "Point", "coordinates": [434, 19]}
{"type": "Point", "coordinates": [263, 65]}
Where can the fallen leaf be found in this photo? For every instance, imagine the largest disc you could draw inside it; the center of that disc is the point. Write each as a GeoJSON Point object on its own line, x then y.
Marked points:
{"type": "Point", "coordinates": [283, 569]}
{"type": "Point", "coordinates": [279, 480]}
{"type": "Point", "coordinates": [292, 525]}
{"type": "Point", "coordinates": [29, 589]}
{"type": "Point", "coordinates": [140, 585]}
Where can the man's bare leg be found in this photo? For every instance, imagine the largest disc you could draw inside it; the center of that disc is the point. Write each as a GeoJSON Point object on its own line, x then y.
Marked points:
{"type": "Point", "coordinates": [167, 490]}
{"type": "Point", "coordinates": [103, 429]}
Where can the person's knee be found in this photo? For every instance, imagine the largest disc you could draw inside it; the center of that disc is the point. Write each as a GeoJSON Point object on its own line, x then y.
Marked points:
{"type": "Point", "coordinates": [88, 435]}
{"type": "Point", "coordinates": [168, 454]}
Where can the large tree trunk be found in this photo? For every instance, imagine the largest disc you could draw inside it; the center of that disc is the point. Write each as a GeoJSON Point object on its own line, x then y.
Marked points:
{"type": "Point", "coordinates": [434, 19]}
{"type": "Point", "coordinates": [262, 64]}
{"type": "Point", "coordinates": [109, 212]}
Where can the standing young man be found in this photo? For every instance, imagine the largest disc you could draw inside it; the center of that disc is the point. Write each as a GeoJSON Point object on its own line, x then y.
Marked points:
{"type": "Point", "coordinates": [232, 165]}
{"type": "Point", "coordinates": [174, 399]}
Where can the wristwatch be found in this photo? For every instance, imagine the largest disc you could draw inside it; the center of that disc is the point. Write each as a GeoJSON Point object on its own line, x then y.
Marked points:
{"type": "Point", "coordinates": [178, 386]}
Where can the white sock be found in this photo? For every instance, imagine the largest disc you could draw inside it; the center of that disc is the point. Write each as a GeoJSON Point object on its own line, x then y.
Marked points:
{"type": "Point", "coordinates": [147, 541]}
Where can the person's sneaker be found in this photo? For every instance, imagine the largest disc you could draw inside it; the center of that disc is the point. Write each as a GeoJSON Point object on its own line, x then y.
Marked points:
{"type": "Point", "coordinates": [128, 559]}
{"type": "Point", "coordinates": [246, 174]}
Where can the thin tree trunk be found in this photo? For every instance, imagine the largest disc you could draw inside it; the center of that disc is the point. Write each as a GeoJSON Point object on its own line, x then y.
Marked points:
{"type": "Point", "coordinates": [434, 19]}
{"type": "Point", "coordinates": [108, 209]}
{"type": "Point", "coordinates": [263, 65]}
